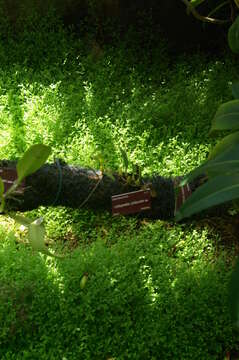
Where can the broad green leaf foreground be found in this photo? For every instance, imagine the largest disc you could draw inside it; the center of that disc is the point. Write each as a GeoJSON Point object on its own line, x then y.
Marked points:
{"type": "Point", "coordinates": [227, 117]}
{"type": "Point", "coordinates": [228, 141]}
{"type": "Point", "coordinates": [32, 160]}
{"type": "Point", "coordinates": [222, 164]}
{"type": "Point", "coordinates": [226, 163]}
{"type": "Point", "coordinates": [233, 36]}
{"type": "Point", "coordinates": [215, 191]}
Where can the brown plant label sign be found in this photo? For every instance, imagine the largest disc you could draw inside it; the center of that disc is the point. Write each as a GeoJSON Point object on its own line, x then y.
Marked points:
{"type": "Point", "coordinates": [132, 202]}
{"type": "Point", "coordinates": [9, 175]}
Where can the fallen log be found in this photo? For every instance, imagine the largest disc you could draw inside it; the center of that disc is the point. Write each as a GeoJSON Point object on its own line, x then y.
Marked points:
{"type": "Point", "coordinates": [60, 184]}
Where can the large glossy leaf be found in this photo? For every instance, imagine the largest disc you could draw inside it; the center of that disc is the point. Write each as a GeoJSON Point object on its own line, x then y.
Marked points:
{"type": "Point", "coordinates": [226, 162]}
{"type": "Point", "coordinates": [32, 160]}
{"type": "Point", "coordinates": [231, 153]}
{"type": "Point", "coordinates": [227, 116]}
{"type": "Point", "coordinates": [215, 191]}
{"type": "Point", "coordinates": [233, 36]}
{"type": "Point", "coordinates": [224, 145]}
{"type": "Point", "coordinates": [234, 295]}
{"type": "Point", "coordinates": [235, 90]}
{"type": "Point", "coordinates": [215, 169]}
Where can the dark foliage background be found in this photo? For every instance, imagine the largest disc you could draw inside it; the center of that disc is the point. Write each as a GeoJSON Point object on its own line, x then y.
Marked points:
{"type": "Point", "coordinates": [109, 20]}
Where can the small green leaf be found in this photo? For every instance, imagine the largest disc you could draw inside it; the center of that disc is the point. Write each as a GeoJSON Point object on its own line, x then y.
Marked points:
{"type": "Point", "coordinates": [125, 159]}
{"type": "Point", "coordinates": [32, 160]}
{"type": "Point", "coordinates": [233, 36]}
{"type": "Point", "coordinates": [227, 116]}
{"type": "Point", "coordinates": [83, 281]}
{"type": "Point", "coordinates": [234, 295]}
{"type": "Point", "coordinates": [235, 90]}
{"type": "Point", "coordinates": [215, 191]}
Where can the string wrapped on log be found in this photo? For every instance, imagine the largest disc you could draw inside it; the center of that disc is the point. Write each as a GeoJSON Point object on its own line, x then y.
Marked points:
{"type": "Point", "coordinates": [92, 189]}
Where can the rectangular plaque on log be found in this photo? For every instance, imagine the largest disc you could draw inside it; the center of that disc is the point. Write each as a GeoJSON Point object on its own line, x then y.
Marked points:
{"type": "Point", "coordinates": [130, 203]}
{"type": "Point", "coordinates": [9, 175]}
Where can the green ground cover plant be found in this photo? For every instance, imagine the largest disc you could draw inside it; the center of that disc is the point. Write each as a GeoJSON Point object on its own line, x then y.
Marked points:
{"type": "Point", "coordinates": [153, 290]}
{"type": "Point", "coordinates": [156, 293]}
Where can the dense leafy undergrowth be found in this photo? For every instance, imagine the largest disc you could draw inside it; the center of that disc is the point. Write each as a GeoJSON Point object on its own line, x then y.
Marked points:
{"type": "Point", "coordinates": [154, 290]}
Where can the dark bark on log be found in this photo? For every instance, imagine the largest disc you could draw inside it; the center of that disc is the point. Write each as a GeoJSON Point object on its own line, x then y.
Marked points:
{"type": "Point", "coordinates": [78, 183]}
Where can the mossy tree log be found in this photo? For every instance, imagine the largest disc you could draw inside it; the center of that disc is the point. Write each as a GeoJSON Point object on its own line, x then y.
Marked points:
{"type": "Point", "coordinates": [59, 184]}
